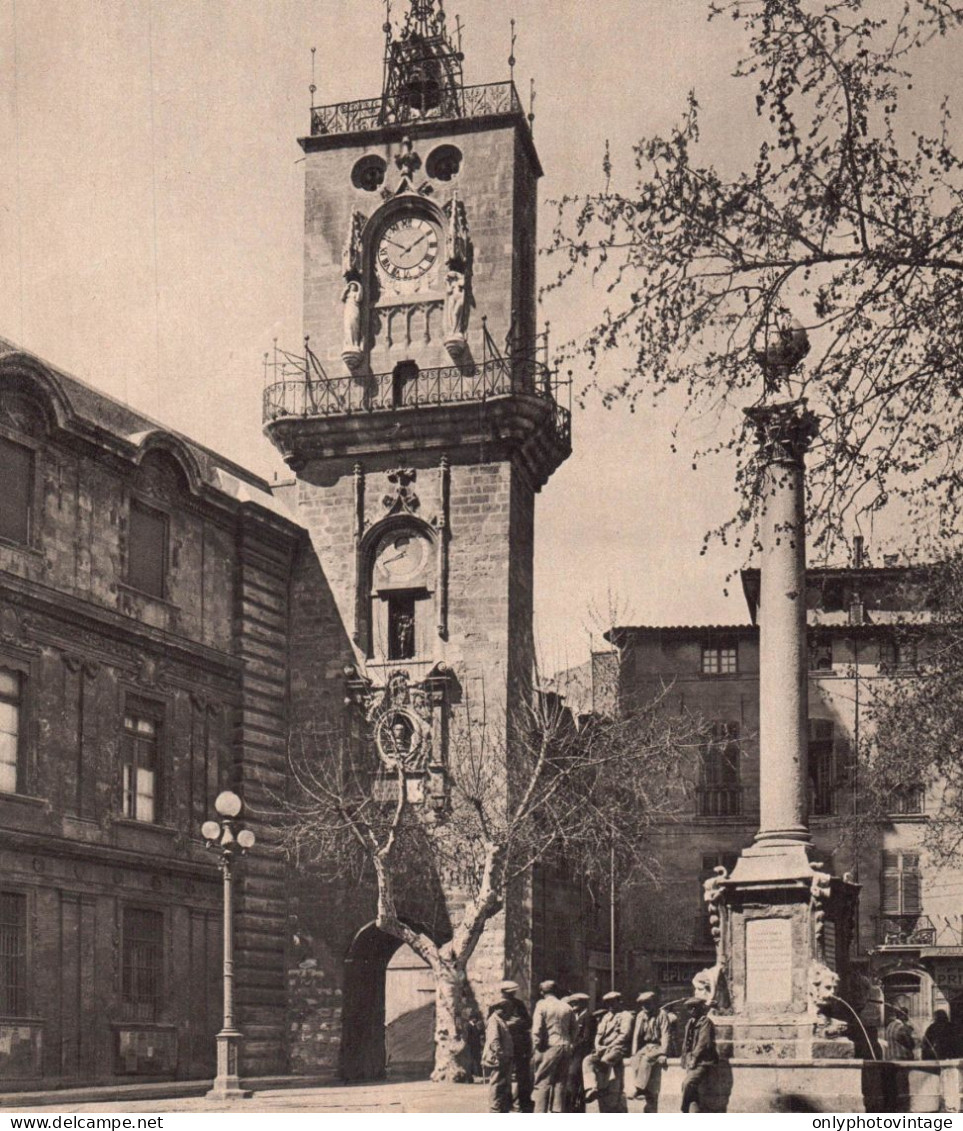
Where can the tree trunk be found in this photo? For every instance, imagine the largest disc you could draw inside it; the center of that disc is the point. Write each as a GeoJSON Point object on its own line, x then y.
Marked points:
{"type": "Point", "coordinates": [452, 1016]}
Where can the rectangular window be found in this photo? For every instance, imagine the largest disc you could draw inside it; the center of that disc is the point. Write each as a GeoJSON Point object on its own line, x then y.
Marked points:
{"type": "Point", "coordinates": [720, 794]}
{"type": "Point", "coordinates": [13, 954]}
{"type": "Point", "coordinates": [821, 657]}
{"type": "Point", "coordinates": [907, 801]}
{"type": "Point", "coordinates": [143, 963]}
{"type": "Point", "coordinates": [722, 660]}
{"type": "Point", "coordinates": [822, 767]}
{"type": "Point", "coordinates": [898, 655]}
{"type": "Point", "coordinates": [147, 550]}
{"type": "Point", "coordinates": [401, 626]}
{"type": "Point", "coordinates": [10, 714]}
{"type": "Point", "coordinates": [901, 884]}
{"type": "Point", "coordinates": [140, 743]}
{"type": "Point", "coordinates": [16, 475]}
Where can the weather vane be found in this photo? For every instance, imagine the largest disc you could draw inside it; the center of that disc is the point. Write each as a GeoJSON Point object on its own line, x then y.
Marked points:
{"type": "Point", "coordinates": [511, 57]}
{"type": "Point", "coordinates": [313, 87]}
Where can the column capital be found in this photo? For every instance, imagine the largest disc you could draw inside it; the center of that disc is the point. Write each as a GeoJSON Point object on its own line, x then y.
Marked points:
{"type": "Point", "coordinates": [784, 431]}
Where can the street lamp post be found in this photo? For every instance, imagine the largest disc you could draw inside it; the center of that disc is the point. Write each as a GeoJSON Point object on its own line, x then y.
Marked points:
{"type": "Point", "coordinates": [229, 840]}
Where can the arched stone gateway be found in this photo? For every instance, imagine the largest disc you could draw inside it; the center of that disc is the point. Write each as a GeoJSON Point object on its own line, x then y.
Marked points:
{"type": "Point", "coordinates": [388, 1012]}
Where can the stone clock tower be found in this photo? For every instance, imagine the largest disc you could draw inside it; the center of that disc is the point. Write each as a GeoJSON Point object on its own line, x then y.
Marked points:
{"type": "Point", "coordinates": [421, 420]}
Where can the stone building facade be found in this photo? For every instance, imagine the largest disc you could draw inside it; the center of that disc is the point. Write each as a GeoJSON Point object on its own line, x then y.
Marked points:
{"type": "Point", "coordinates": [143, 590]}
{"type": "Point", "coordinates": [867, 627]}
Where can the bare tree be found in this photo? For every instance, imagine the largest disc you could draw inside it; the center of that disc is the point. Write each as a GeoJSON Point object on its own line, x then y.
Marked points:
{"type": "Point", "coordinates": [518, 791]}
{"type": "Point", "coordinates": [849, 215]}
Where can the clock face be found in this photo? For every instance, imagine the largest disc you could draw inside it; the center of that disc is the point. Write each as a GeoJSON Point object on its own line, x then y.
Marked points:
{"type": "Point", "coordinates": [401, 557]}
{"type": "Point", "coordinates": [408, 248]}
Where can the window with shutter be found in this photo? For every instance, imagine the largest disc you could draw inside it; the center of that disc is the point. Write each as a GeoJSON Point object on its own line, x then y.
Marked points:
{"type": "Point", "coordinates": [16, 475]}
{"type": "Point", "coordinates": [901, 882]}
{"type": "Point", "coordinates": [147, 550]}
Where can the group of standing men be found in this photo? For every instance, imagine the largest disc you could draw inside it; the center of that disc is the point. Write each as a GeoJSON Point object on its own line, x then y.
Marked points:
{"type": "Point", "coordinates": [563, 1056]}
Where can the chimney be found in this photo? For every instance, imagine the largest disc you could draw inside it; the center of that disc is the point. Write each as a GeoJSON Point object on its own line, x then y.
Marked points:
{"type": "Point", "coordinates": [890, 560]}
{"type": "Point", "coordinates": [858, 551]}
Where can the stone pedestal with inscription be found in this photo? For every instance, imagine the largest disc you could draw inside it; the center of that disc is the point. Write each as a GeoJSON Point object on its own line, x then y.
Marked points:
{"type": "Point", "coordinates": [783, 952]}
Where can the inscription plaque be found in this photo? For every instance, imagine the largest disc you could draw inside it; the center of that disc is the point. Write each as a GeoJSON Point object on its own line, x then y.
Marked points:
{"type": "Point", "coordinates": [768, 961]}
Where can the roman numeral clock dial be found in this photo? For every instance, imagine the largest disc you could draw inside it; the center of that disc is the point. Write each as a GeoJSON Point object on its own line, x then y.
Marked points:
{"type": "Point", "coordinates": [408, 248]}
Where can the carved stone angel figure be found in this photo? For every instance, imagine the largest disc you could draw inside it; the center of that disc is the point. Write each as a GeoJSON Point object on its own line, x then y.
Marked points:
{"type": "Point", "coordinates": [455, 306]}
{"type": "Point", "coordinates": [352, 299]}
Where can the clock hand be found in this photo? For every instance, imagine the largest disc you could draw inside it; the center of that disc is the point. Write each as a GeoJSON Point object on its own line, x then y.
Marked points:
{"type": "Point", "coordinates": [388, 561]}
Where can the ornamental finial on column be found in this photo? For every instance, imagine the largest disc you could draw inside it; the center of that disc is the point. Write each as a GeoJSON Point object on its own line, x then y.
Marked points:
{"type": "Point", "coordinates": [784, 343]}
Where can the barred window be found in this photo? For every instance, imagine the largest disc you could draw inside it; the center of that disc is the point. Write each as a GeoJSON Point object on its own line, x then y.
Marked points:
{"type": "Point", "coordinates": [140, 742]}
{"type": "Point", "coordinates": [16, 474]}
{"type": "Point", "coordinates": [13, 954]}
{"type": "Point", "coordinates": [720, 660]}
{"type": "Point", "coordinates": [143, 963]}
{"type": "Point", "coordinates": [10, 727]}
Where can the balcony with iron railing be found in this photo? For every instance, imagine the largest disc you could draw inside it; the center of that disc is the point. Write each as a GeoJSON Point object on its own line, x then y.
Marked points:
{"type": "Point", "coordinates": [719, 801]}
{"type": "Point", "coordinates": [296, 386]}
{"type": "Point", "coordinates": [916, 930]}
{"type": "Point", "coordinates": [372, 113]}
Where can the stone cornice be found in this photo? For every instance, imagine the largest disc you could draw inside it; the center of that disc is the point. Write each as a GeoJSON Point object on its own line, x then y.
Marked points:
{"type": "Point", "coordinates": [428, 128]}
{"type": "Point", "coordinates": [77, 613]}
{"type": "Point", "coordinates": [44, 844]}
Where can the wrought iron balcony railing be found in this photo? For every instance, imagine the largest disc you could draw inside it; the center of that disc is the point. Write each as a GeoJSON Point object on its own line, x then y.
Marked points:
{"type": "Point", "coordinates": [909, 930]}
{"type": "Point", "coordinates": [719, 801]}
{"type": "Point", "coordinates": [298, 387]}
{"type": "Point", "coordinates": [370, 113]}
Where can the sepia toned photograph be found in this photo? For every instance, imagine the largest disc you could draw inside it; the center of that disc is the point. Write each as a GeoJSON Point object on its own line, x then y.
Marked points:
{"type": "Point", "coordinates": [481, 557]}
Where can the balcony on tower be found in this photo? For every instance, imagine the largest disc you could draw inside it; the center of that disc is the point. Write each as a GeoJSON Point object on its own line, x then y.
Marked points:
{"type": "Point", "coordinates": [516, 401]}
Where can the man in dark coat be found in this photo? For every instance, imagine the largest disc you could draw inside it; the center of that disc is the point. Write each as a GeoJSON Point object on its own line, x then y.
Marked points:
{"type": "Point", "coordinates": [650, 1050]}
{"type": "Point", "coordinates": [519, 1022]}
{"type": "Point", "coordinates": [583, 1045]}
{"type": "Point", "coordinates": [497, 1057]}
{"type": "Point", "coordinates": [939, 1040]}
{"type": "Point", "coordinates": [698, 1053]}
{"type": "Point", "coordinates": [553, 1036]}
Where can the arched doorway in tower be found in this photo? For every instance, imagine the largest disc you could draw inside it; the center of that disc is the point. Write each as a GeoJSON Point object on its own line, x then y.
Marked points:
{"type": "Point", "coordinates": [388, 1010]}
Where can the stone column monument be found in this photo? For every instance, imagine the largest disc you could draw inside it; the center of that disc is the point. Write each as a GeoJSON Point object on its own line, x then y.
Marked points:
{"type": "Point", "coordinates": [782, 924]}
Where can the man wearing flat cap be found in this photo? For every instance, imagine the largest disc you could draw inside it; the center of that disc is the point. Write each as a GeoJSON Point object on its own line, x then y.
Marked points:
{"type": "Point", "coordinates": [603, 1071]}
{"type": "Point", "coordinates": [553, 1037]}
{"type": "Point", "coordinates": [698, 1052]}
{"type": "Point", "coordinates": [519, 1023]}
{"type": "Point", "coordinates": [650, 1050]}
{"type": "Point", "coordinates": [583, 1044]}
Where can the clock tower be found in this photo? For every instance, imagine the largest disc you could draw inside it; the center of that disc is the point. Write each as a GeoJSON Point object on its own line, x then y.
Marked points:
{"type": "Point", "coordinates": [422, 418]}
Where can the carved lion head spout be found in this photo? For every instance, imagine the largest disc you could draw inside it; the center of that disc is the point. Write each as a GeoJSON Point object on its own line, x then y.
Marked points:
{"type": "Point", "coordinates": [823, 986]}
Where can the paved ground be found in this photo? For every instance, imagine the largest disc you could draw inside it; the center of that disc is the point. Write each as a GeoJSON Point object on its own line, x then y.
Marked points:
{"type": "Point", "coordinates": [413, 1096]}
{"type": "Point", "coordinates": [418, 1096]}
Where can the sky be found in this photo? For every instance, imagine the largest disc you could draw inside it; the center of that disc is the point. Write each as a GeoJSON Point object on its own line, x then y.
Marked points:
{"type": "Point", "coordinates": [151, 205]}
